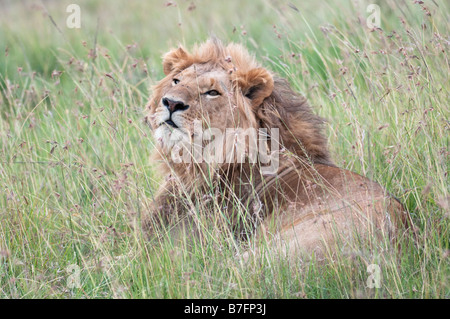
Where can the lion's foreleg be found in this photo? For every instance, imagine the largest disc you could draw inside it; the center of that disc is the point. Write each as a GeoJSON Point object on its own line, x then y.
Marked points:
{"type": "Point", "coordinates": [164, 208]}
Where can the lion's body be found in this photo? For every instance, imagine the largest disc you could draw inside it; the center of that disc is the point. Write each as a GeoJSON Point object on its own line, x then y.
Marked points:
{"type": "Point", "coordinates": [308, 203]}
{"type": "Point", "coordinates": [325, 208]}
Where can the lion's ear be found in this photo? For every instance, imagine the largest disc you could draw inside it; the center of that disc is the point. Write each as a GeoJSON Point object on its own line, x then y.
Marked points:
{"type": "Point", "coordinates": [175, 58]}
{"type": "Point", "coordinates": [256, 84]}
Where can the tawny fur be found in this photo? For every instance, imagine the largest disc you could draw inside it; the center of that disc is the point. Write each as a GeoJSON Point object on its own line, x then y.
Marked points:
{"type": "Point", "coordinates": [307, 203]}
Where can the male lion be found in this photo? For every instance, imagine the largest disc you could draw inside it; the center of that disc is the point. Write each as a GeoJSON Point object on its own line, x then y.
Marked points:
{"type": "Point", "coordinates": [308, 204]}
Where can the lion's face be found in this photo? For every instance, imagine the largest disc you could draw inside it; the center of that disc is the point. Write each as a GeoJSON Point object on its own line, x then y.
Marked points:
{"type": "Point", "coordinates": [216, 87]}
{"type": "Point", "coordinates": [199, 93]}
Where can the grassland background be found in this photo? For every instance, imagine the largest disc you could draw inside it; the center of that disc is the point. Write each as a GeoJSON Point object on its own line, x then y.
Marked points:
{"type": "Point", "coordinates": [75, 174]}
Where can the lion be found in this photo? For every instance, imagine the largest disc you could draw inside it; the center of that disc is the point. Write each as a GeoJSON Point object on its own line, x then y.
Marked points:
{"type": "Point", "coordinates": [306, 205]}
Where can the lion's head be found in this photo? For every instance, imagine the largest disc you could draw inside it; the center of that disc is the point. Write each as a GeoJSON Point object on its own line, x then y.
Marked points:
{"type": "Point", "coordinates": [224, 87]}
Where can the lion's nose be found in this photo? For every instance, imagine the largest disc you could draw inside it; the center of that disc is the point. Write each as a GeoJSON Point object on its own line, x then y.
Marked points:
{"type": "Point", "coordinates": [174, 106]}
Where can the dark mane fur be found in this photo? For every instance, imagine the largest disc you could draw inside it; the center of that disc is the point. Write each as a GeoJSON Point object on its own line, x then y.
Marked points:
{"type": "Point", "coordinates": [300, 129]}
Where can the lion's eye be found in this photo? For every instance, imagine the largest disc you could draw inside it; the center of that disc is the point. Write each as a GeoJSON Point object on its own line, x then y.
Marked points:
{"type": "Point", "coordinates": [212, 93]}
{"type": "Point", "coordinates": [175, 81]}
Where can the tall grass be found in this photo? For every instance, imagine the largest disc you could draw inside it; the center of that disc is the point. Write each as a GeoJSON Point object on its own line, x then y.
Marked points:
{"type": "Point", "coordinates": [75, 169]}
